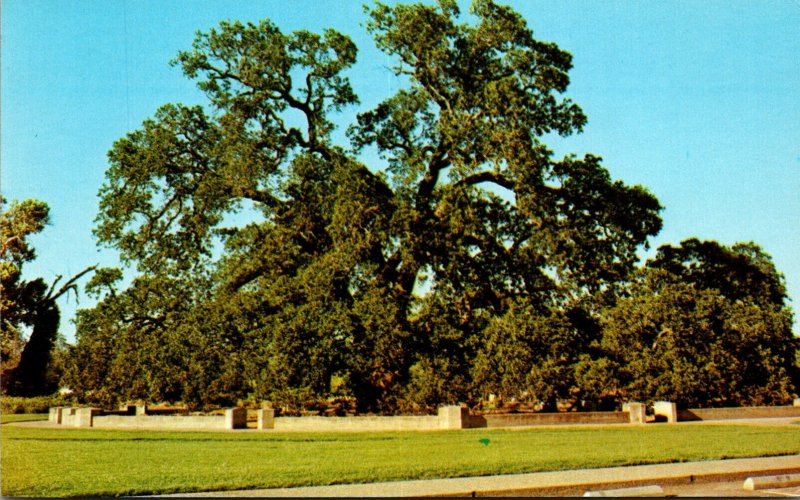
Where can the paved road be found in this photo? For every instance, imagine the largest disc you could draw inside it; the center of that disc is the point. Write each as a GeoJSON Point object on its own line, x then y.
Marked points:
{"type": "Point", "coordinates": [727, 489]}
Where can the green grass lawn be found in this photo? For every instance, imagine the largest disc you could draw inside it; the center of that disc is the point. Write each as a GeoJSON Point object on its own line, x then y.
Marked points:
{"type": "Point", "coordinates": [22, 417]}
{"type": "Point", "coordinates": [84, 462]}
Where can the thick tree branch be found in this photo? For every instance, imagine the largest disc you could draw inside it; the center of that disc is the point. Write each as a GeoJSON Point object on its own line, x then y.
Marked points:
{"type": "Point", "coordinates": [438, 163]}
{"type": "Point", "coordinates": [493, 177]}
{"type": "Point", "coordinates": [69, 285]}
{"type": "Point", "coordinates": [257, 196]}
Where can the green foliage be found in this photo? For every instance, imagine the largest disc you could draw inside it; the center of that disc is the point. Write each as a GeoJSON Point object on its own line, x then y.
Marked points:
{"type": "Point", "coordinates": [740, 272]}
{"type": "Point", "coordinates": [18, 222]}
{"type": "Point", "coordinates": [692, 344]}
{"type": "Point", "coordinates": [40, 404]}
{"type": "Point", "coordinates": [18, 298]}
{"type": "Point", "coordinates": [130, 350]}
{"type": "Point", "coordinates": [534, 355]}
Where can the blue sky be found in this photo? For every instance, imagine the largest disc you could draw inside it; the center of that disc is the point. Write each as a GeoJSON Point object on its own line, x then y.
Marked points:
{"type": "Point", "coordinates": [699, 101]}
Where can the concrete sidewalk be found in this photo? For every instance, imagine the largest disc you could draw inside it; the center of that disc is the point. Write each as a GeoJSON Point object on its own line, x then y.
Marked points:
{"type": "Point", "coordinates": [559, 483]}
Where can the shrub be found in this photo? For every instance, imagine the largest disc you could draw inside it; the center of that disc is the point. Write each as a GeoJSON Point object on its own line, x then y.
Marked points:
{"type": "Point", "coordinates": [39, 404]}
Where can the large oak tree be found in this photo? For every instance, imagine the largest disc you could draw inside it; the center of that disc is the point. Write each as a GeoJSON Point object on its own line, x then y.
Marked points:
{"type": "Point", "coordinates": [258, 239]}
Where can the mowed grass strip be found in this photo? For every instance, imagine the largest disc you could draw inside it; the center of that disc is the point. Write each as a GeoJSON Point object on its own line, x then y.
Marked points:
{"type": "Point", "coordinates": [78, 462]}
{"type": "Point", "coordinates": [6, 418]}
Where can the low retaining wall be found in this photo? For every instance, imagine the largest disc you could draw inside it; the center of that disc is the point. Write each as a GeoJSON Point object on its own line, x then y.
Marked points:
{"type": "Point", "coordinates": [448, 417]}
{"type": "Point", "coordinates": [423, 423]}
{"type": "Point", "coordinates": [523, 419]}
{"type": "Point", "coordinates": [234, 418]}
{"type": "Point", "coordinates": [168, 422]}
{"type": "Point", "coordinates": [738, 413]}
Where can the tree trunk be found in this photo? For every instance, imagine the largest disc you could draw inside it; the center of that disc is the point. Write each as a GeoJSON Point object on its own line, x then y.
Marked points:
{"type": "Point", "coordinates": [29, 378]}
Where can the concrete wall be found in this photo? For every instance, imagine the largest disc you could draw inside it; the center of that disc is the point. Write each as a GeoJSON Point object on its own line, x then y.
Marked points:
{"type": "Point", "coordinates": [523, 419]}
{"type": "Point", "coordinates": [449, 417]}
{"type": "Point", "coordinates": [234, 418]}
{"type": "Point", "coordinates": [160, 422]}
{"type": "Point", "coordinates": [311, 424]}
{"type": "Point", "coordinates": [737, 413]}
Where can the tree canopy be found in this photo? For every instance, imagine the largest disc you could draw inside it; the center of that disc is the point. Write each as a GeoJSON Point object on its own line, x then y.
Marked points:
{"type": "Point", "coordinates": [704, 325]}
{"type": "Point", "coordinates": [272, 262]}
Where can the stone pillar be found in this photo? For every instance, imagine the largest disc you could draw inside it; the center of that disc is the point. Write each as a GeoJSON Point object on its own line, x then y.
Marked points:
{"type": "Point", "coordinates": [236, 418]}
{"type": "Point", "coordinates": [637, 412]}
{"type": "Point", "coordinates": [266, 419]}
{"type": "Point", "coordinates": [452, 417]}
{"type": "Point", "coordinates": [84, 416]}
{"type": "Point", "coordinates": [68, 416]}
{"type": "Point", "coordinates": [664, 410]}
{"type": "Point", "coordinates": [796, 401]}
{"type": "Point", "coordinates": [141, 410]}
{"type": "Point", "coordinates": [55, 414]}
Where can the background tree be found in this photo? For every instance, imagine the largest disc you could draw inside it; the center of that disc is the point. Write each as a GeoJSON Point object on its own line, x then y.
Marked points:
{"type": "Point", "coordinates": [703, 325]}
{"type": "Point", "coordinates": [27, 304]}
{"type": "Point", "coordinates": [17, 297]}
{"type": "Point", "coordinates": [337, 270]}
